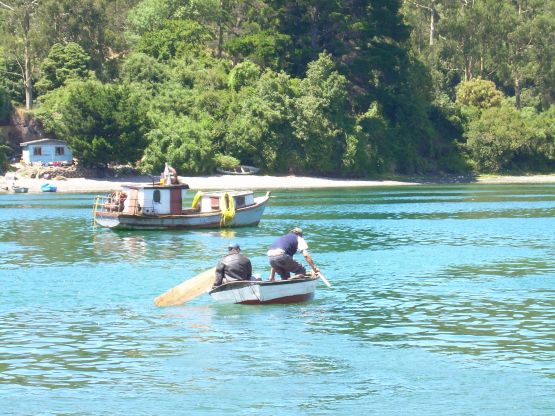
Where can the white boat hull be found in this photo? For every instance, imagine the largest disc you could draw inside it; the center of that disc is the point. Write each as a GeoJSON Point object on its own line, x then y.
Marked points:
{"type": "Point", "coordinates": [263, 292]}
{"type": "Point", "coordinates": [246, 216]}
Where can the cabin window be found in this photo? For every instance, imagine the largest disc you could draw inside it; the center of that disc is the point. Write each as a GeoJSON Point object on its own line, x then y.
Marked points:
{"type": "Point", "coordinates": [240, 201]}
{"type": "Point", "coordinates": [60, 150]}
{"type": "Point", "coordinates": [214, 202]}
{"type": "Point", "coordinates": [156, 196]}
{"type": "Point", "coordinates": [37, 151]}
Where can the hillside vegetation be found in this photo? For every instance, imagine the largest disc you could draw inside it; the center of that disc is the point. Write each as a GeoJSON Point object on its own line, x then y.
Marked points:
{"type": "Point", "coordinates": [339, 88]}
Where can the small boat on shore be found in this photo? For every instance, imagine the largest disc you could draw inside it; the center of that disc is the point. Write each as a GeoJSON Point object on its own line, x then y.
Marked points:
{"type": "Point", "coordinates": [239, 170]}
{"type": "Point", "coordinates": [48, 188]}
{"type": "Point", "coordinates": [20, 189]}
{"type": "Point", "coordinates": [158, 206]}
{"type": "Point", "coordinates": [254, 292]}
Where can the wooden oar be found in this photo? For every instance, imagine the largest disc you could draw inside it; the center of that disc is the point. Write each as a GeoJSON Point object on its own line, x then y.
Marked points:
{"type": "Point", "coordinates": [189, 289]}
{"type": "Point", "coordinates": [326, 282]}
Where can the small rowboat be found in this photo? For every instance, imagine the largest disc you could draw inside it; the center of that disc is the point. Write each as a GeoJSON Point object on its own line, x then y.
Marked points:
{"type": "Point", "coordinates": [20, 189]}
{"type": "Point", "coordinates": [239, 170]}
{"type": "Point", "coordinates": [254, 292]}
{"type": "Point", "coordinates": [48, 188]}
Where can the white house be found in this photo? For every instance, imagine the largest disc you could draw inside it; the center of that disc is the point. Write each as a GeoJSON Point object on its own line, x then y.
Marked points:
{"type": "Point", "coordinates": [46, 151]}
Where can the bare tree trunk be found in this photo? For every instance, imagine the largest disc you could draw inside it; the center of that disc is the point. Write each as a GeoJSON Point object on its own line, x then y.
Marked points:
{"type": "Point", "coordinates": [518, 91]}
{"type": "Point", "coordinates": [432, 23]}
{"type": "Point", "coordinates": [27, 77]}
{"type": "Point", "coordinates": [27, 71]}
{"type": "Point", "coordinates": [220, 39]}
{"type": "Point", "coordinates": [468, 68]}
{"type": "Point", "coordinates": [314, 30]}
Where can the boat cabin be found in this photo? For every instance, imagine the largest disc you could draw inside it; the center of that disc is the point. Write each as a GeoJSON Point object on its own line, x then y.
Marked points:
{"type": "Point", "coordinates": [151, 199]}
{"type": "Point", "coordinates": [212, 201]}
{"type": "Point", "coordinates": [164, 200]}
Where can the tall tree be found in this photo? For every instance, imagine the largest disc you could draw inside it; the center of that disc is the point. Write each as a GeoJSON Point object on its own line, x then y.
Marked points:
{"type": "Point", "coordinates": [529, 23]}
{"type": "Point", "coordinates": [63, 63]}
{"type": "Point", "coordinates": [19, 31]}
{"type": "Point", "coordinates": [98, 26]}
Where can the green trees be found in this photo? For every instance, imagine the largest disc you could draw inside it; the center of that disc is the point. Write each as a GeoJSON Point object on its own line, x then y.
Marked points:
{"type": "Point", "coordinates": [63, 63]}
{"type": "Point", "coordinates": [21, 40]}
{"type": "Point", "coordinates": [498, 139]}
{"type": "Point", "coordinates": [259, 131]}
{"type": "Point", "coordinates": [345, 87]}
{"type": "Point", "coordinates": [5, 105]}
{"type": "Point", "coordinates": [176, 38]}
{"type": "Point", "coordinates": [321, 117]}
{"type": "Point", "coordinates": [102, 123]}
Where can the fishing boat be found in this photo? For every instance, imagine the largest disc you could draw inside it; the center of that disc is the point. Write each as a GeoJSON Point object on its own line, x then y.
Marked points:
{"type": "Point", "coordinates": [239, 170]}
{"type": "Point", "coordinates": [48, 188]}
{"type": "Point", "coordinates": [159, 206]}
{"type": "Point", "coordinates": [254, 292]}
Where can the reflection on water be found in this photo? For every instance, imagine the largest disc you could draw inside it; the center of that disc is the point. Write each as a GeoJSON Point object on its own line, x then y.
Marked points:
{"type": "Point", "coordinates": [443, 299]}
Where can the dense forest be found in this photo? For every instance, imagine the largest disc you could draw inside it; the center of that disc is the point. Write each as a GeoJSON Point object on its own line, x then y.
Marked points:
{"type": "Point", "coordinates": [340, 88]}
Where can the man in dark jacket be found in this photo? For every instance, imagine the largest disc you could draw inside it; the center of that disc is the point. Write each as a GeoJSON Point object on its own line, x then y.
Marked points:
{"type": "Point", "coordinates": [280, 255]}
{"type": "Point", "coordinates": [233, 267]}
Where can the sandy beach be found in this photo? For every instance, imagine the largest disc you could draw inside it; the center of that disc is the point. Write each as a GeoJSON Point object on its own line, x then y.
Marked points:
{"type": "Point", "coordinates": [259, 182]}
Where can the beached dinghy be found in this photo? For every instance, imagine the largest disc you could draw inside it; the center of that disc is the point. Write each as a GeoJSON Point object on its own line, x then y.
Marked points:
{"type": "Point", "coordinates": [252, 292]}
{"type": "Point", "coordinates": [239, 170]}
{"type": "Point", "coordinates": [20, 189]}
{"type": "Point", "coordinates": [158, 206]}
{"type": "Point", "coordinates": [48, 188]}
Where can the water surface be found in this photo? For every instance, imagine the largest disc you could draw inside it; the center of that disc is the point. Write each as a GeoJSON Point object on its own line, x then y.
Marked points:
{"type": "Point", "coordinates": [443, 301]}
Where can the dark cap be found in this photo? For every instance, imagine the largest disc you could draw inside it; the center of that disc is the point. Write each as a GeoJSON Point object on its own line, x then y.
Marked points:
{"type": "Point", "coordinates": [297, 231]}
{"type": "Point", "coordinates": [233, 246]}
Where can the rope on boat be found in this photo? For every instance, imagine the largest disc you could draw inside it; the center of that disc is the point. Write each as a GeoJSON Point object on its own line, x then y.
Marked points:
{"type": "Point", "coordinates": [95, 207]}
{"type": "Point", "coordinates": [227, 205]}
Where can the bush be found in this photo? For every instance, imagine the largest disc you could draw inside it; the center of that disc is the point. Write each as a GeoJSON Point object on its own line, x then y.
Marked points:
{"type": "Point", "coordinates": [478, 93]}
{"type": "Point", "coordinates": [226, 162]}
{"type": "Point", "coordinates": [498, 139]}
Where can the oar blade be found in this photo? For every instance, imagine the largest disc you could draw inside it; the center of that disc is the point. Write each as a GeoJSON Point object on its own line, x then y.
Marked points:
{"type": "Point", "coordinates": [187, 290]}
{"type": "Point", "coordinates": [326, 281]}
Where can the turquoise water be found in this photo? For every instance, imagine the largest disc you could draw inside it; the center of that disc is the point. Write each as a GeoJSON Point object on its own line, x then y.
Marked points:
{"type": "Point", "coordinates": [443, 302]}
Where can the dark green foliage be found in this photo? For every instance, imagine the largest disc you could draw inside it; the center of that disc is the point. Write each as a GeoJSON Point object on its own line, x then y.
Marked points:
{"type": "Point", "coordinates": [63, 63]}
{"type": "Point", "coordinates": [101, 123]}
{"type": "Point", "coordinates": [144, 69]}
{"type": "Point", "coordinates": [340, 88]}
{"type": "Point", "coordinates": [263, 48]}
{"type": "Point", "coordinates": [185, 143]}
{"type": "Point", "coordinates": [5, 105]}
{"type": "Point", "coordinates": [499, 139]}
{"type": "Point", "coordinates": [259, 131]}
{"type": "Point", "coordinates": [10, 82]}
{"type": "Point", "coordinates": [4, 153]}
{"type": "Point", "coordinates": [244, 74]}
{"type": "Point", "coordinates": [175, 38]}
{"type": "Point", "coordinates": [321, 117]}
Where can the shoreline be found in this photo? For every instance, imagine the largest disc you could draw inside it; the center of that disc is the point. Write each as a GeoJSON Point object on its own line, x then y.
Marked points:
{"type": "Point", "coordinates": [266, 182]}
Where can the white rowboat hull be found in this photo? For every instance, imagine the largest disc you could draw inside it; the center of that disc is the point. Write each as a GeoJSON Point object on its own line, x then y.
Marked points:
{"type": "Point", "coordinates": [263, 292]}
